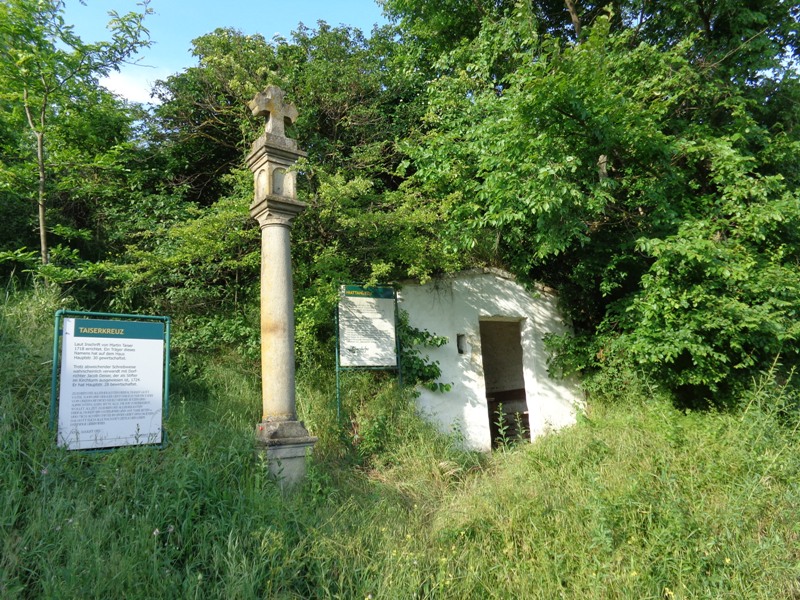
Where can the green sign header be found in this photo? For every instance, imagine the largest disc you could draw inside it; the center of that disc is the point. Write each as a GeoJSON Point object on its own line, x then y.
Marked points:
{"type": "Point", "coordinates": [97, 328]}
{"type": "Point", "coordinates": [369, 292]}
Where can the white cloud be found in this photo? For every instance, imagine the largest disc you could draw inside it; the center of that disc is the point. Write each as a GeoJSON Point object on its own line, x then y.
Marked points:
{"type": "Point", "coordinates": [133, 85]}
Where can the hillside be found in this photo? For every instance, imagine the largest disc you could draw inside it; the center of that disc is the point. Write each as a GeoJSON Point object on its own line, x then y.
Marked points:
{"type": "Point", "coordinates": [640, 158]}
{"type": "Point", "coordinates": [638, 500]}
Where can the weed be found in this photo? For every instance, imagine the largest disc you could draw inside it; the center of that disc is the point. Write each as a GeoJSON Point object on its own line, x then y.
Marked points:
{"type": "Point", "coordinates": [638, 500]}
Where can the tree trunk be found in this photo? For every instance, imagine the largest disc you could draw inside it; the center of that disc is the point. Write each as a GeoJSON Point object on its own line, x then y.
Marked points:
{"type": "Point", "coordinates": [42, 199]}
{"type": "Point", "coordinates": [576, 20]}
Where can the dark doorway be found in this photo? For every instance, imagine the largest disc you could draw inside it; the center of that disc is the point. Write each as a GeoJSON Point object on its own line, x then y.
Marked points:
{"type": "Point", "coordinates": [501, 350]}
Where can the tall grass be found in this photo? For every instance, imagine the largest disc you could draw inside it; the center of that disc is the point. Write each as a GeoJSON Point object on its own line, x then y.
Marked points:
{"type": "Point", "coordinates": [639, 500]}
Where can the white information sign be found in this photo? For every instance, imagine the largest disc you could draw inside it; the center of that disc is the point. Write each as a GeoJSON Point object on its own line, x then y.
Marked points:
{"type": "Point", "coordinates": [112, 383]}
{"type": "Point", "coordinates": [367, 333]}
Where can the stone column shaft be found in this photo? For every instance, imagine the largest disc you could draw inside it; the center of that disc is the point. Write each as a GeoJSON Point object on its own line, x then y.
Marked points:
{"type": "Point", "coordinates": [277, 324]}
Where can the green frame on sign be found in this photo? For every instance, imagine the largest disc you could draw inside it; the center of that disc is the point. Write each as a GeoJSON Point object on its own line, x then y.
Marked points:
{"type": "Point", "coordinates": [57, 334]}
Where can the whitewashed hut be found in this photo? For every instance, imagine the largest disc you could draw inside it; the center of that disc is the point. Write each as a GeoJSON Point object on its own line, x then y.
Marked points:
{"type": "Point", "coordinates": [494, 358]}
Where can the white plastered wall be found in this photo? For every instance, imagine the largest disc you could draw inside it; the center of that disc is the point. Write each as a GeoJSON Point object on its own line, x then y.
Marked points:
{"type": "Point", "coordinates": [456, 305]}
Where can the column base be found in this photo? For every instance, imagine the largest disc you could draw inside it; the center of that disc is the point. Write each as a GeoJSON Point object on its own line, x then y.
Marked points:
{"type": "Point", "coordinates": [285, 444]}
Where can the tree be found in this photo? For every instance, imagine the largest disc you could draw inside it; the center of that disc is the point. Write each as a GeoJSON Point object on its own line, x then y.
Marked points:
{"type": "Point", "coordinates": [356, 97]}
{"type": "Point", "coordinates": [201, 127]}
{"type": "Point", "coordinates": [630, 170]}
{"type": "Point", "coordinates": [45, 67]}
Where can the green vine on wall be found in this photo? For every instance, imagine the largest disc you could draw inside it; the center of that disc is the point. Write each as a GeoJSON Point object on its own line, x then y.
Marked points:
{"type": "Point", "coordinates": [416, 368]}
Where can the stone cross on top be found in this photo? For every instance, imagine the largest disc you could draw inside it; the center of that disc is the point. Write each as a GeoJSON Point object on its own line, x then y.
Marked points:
{"type": "Point", "coordinates": [271, 104]}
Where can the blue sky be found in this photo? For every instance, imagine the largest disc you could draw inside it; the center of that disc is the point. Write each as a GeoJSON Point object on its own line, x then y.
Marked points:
{"type": "Point", "coordinates": [175, 23]}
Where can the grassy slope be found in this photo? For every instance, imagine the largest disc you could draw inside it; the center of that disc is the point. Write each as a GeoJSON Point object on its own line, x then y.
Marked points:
{"type": "Point", "coordinates": [638, 501]}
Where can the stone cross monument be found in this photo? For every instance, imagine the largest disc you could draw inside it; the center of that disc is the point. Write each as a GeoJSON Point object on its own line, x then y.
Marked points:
{"type": "Point", "coordinates": [280, 434]}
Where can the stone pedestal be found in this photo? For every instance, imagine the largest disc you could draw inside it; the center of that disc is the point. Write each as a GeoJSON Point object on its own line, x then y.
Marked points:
{"type": "Point", "coordinates": [286, 445]}
{"type": "Point", "coordinates": [280, 435]}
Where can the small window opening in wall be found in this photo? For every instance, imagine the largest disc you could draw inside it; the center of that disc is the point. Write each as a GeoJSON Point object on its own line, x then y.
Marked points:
{"type": "Point", "coordinates": [461, 343]}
